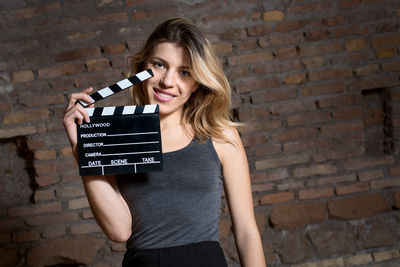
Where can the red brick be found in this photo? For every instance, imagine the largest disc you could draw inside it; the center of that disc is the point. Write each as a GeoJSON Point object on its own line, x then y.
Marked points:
{"type": "Point", "coordinates": [258, 84]}
{"type": "Point", "coordinates": [341, 128]}
{"type": "Point", "coordinates": [294, 79]}
{"type": "Point", "coordinates": [22, 76]}
{"type": "Point", "coordinates": [313, 62]}
{"type": "Point", "coordinates": [340, 101]}
{"type": "Point", "coordinates": [57, 218]}
{"type": "Point", "coordinates": [292, 106]}
{"type": "Point", "coordinates": [18, 131]}
{"type": "Point", "coordinates": [42, 100]}
{"type": "Point", "coordinates": [110, 18]}
{"type": "Point", "coordinates": [69, 191]}
{"type": "Point", "coordinates": [368, 70]}
{"type": "Point", "coordinates": [233, 34]}
{"type": "Point", "coordinates": [282, 161]}
{"type": "Point", "coordinates": [315, 193]}
{"type": "Point", "coordinates": [297, 215]}
{"type": "Point", "coordinates": [258, 30]}
{"type": "Point", "coordinates": [114, 49]}
{"type": "Point", "coordinates": [278, 67]}
{"type": "Point", "coordinates": [374, 82]}
{"type": "Point", "coordinates": [103, 78]}
{"type": "Point", "coordinates": [386, 52]}
{"type": "Point", "coordinates": [356, 44]}
{"type": "Point", "coordinates": [335, 21]}
{"type": "Point", "coordinates": [370, 175]}
{"type": "Point", "coordinates": [386, 40]}
{"type": "Point", "coordinates": [262, 187]}
{"type": "Point", "coordinates": [237, 73]}
{"type": "Point", "coordinates": [354, 188]}
{"type": "Point", "coordinates": [346, 4]}
{"type": "Point", "coordinates": [251, 58]}
{"type": "Point", "coordinates": [97, 64]}
{"type": "Point", "coordinates": [44, 195]}
{"type": "Point", "coordinates": [53, 231]}
{"type": "Point", "coordinates": [322, 169]}
{"type": "Point", "coordinates": [349, 30]}
{"type": "Point", "coordinates": [34, 209]}
{"type": "Point", "coordinates": [45, 154]}
{"type": "Point", "coordinates": [341, 152]}
{"type": "Point", "coordinates": [7, 224]}
{"type": "Point", "coordinates": [45, 168]}
{"type": "Point", "coordinates": [287, 26]}
{"type": "Point", "coordinates": [274, 15]}
{"type": "Point", "coordinates": [332, 180]}
{"type": "Point", "coordinates": [283, 39]}
{"type": "Point", "coordinates": [307, 118]}
{"type": "Point", "coordinates": [291, 185]}
{"type": "Point", "coordinates": [60, 70]}
{"type": "Point", "coordinates": [277, 198]}
{"type": "Point", "coordinates": [78, 203]}
{"type": "Point", "coordinates": [269, 176]}
{"type": "Point", "coordinates": [320, 49]}
{"type": "Point", "coordinates": [223, 48]}
{"type": "Point", "coordinates": [85, 228]}
{"type": "Point", "coordinates": [265, 125]}
{"type": "Point", "coordinates": [83, 35]}
{"type": "Point", "coordinates": [395, 171]}
{"type": "Point", "coordinates": [224, 228]}
{"type": "Point", "coordinates": [348, 113]}
{"type": "Point", "coordinates": [385, 183]}
{"type": "Point", "coordinates": [370, 162]}
{"type": "Point", "coordinates": [78, 54]}
{"type": "Point", "coordinates": [273, 95]}
{"type": "Point", "coordinates": [391, 66]}
{"type": "Point", "coordinates": [6, 239]}
{"type": "Point", "coordinates": [316, 35]}
{"type": "Point", "coordinates": [32, 12]}
{"type": "Point", "coordinates": [294, 134]}
{"type": "Point", "coordinates": [26, 116]}
{"type": "Point", "coordinates": [306, 145]}
{"type": "Point", "coordinates": [386, 27]}
{"type": "Point", "coordinates": [358, 207]}
{"type": "Point", "coordinates": [323, 88]}
{"type": "Point", "coordinates": [330, 74]}
{"type": "Point", "coordinates": [255, 139]}
{"type": "Point", "coordinates": [225, 17]}
{"type": "Point", "coordinates": [288, 52]}
{"type": "Point", "coordinates": [313, 7]}
{"type": "Point", "coordinates": [24, 237]}
{"type": "Point", "coordinates": [46, 180]}
{"type": "Point", "coordinates": [87, 214]}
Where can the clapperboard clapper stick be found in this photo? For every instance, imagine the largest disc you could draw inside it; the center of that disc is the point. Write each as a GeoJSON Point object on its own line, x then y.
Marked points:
{"type": "Point", "coordinates": [121, 139]}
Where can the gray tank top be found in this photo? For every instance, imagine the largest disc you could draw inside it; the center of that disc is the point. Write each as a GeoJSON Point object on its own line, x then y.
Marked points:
{"type": "Point", "coordinates": [179, 205]}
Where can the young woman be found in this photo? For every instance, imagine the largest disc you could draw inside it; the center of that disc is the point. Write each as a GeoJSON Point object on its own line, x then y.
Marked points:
{"type": "Point", "coordinates": [170, 218]}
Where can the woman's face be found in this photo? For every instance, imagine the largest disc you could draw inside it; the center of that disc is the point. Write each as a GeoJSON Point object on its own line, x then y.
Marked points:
{"type": "Point", "coordinates": [172, 83]}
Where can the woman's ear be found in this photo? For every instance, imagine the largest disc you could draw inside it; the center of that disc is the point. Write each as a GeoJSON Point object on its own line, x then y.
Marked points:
{"type": "Point", "coordinates": [195, 87]}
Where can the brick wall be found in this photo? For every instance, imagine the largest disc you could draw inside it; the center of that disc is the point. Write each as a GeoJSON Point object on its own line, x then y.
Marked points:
{"type": "Point", "coordinates": [316, 81]}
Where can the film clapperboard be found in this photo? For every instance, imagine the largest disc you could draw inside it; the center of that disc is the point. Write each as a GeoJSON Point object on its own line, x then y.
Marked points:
{"type": "Point", "coordinates": [120, 139]}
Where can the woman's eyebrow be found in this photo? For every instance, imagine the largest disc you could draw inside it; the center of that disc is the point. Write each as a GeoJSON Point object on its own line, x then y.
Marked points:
{"type": "Point", "coordinates": [166, 63]}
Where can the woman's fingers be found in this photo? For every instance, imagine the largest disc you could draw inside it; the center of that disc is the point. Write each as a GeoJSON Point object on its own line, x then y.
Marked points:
{"type": "Point", "coordinates": [80, 96]}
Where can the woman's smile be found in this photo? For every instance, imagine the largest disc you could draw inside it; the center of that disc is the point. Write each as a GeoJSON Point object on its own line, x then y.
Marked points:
{"type": "Point", "coordinates": [162, 95]}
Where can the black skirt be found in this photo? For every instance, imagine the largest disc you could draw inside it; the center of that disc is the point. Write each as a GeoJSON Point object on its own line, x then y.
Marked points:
{"type": "Point", "coordinates": [203, 254]}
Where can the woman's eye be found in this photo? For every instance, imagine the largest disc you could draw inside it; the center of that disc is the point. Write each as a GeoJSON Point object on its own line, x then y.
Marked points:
{"type": "Point", "coordinates": [185, 73]}
{"type": "Point", "coordinates": [158, 65]}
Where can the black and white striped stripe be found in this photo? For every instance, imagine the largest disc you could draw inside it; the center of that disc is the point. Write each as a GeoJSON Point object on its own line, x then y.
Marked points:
{"type": "Point", "coordinates": [119, 86]}
{"type": "Point", "coordinates": [122, 110]}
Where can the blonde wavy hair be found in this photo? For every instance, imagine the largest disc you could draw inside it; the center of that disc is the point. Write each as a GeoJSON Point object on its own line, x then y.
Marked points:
{"type": "Point", "coordinates": [208, 110]}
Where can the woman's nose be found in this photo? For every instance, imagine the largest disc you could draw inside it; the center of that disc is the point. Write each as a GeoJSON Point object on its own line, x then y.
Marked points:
{"type": "Point", "coordinates": [168, 79]}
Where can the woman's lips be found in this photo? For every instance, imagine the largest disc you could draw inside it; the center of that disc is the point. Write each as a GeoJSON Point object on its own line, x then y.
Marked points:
{"type": "Point", "coordinates": [162, 96]}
